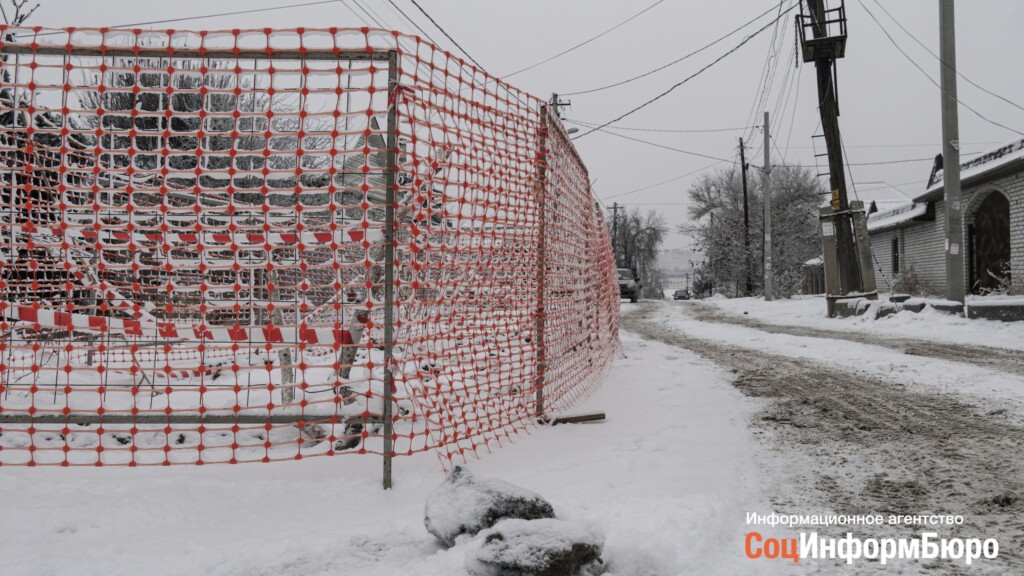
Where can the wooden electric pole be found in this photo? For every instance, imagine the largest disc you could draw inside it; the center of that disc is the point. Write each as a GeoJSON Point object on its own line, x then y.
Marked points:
{"type": "Point", "coordinates": [840, 226]}
{"type": "Point", "coordinates": [767, 194]}
{"type": "Point", "coordinates": [746, 225]}
{"type": "Point", "coordinates": [951, 155]}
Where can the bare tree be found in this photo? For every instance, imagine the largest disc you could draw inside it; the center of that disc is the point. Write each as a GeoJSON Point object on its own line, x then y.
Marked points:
{"type": "Point", "coordinates": [20, 15]}
{"type": "Point", "coordinates": [639, 237]}
{"type": "Point", "coordinates": [717, 213]}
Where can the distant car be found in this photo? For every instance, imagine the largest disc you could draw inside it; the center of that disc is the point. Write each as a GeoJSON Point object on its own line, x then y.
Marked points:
{"type": "Point", "coordinates": [628, 285]}
{"type": "Point", "coordinates": [681, 295]}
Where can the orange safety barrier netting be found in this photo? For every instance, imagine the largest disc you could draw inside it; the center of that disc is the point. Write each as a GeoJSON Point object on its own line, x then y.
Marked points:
{"type": "Point", "coordinates": [259, 245]}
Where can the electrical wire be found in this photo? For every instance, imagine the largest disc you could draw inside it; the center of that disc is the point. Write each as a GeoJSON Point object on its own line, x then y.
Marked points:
{"type": "Point", "coordinates": [354, 13]}
{"type": "Point", "coordinates": [581, 44]}
{"type": "Point", "coordinates": [368, 15]}
{"type": "Point", "coordinates": [906, 145]}
{"type": "Point", "coordinates": [448, 36]}
{"type": "Point", "coordinates": [937, 57]}
{"type": "Point", "coordinates": [685, 80]}
{"type": "Point", "coordinates": [926, 75]}
{"type": "Point", "coordinates": [235, 13]}
{"type": "Point", "coordinates": [657, 204]}
{"type": "Point", "coordinates": [662, 146]}
{"type": "Point", "coordinates": [762, 80]}
{"type": "Point", "coordinates": [796, 103]}
{"type": "Point", "coordinates": [693, 131]}
{"type": "Point", "coordinates": [674, 62]}
{"type": "Point", "coordinates": [413, 22]}
{"type": "Point", "coordinates": [674, 179]}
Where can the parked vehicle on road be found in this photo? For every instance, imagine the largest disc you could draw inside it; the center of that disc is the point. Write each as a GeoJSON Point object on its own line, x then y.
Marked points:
{"type": "Point", "coordinates": [629, 286]}
{"type": "Point", "coordinates": [682, 294]}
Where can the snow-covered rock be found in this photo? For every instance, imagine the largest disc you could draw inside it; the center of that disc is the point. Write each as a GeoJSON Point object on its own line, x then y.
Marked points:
{"type": "Point", "coordinates": [546, 547]}
{"type": "Point", "coordinates": [465, 504]}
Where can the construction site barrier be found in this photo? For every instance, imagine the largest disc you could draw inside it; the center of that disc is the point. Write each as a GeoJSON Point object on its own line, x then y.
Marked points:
{"type": "Point", "coordinates": [262, 245]}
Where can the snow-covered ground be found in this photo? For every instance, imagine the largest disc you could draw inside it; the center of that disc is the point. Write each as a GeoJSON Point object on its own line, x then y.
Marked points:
{"type": "Point", "coordinates": [926, 373]}
{"type": "Point", "coordinates": [668, 477]}
{"type": "Point", "coordinates": [859, 423]}
{"type": "Point", "coordinates": [787, 411]}
{"type": "Point", "coordinates": [809, 311]}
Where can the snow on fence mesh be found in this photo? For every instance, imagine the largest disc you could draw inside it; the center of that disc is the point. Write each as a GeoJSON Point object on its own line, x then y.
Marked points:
{"type": "Point", "coordinates": [261, 245]}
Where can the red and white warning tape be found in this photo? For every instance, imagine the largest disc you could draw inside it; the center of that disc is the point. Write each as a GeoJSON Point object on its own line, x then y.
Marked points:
{"type": "Point", "coordinates": [270, 334]}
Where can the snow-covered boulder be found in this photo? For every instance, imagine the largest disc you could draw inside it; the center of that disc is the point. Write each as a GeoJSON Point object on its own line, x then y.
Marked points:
{"type": "Point", "coordinates": [537, 548]}
{"type": "Point", "coordinates": [465, 504]}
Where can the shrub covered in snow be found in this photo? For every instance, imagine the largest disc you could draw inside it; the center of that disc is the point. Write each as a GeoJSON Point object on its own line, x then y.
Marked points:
{"type": "Point", "coordinates": [537, 548]}
{"type": "Point", "coordinates": [465, 504]}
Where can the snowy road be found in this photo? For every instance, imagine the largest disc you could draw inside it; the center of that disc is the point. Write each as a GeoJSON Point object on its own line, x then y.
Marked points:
{"type": "Point", "coordinates": [772, 418]}
{"type": "Point", "coordinates": [855, 428]}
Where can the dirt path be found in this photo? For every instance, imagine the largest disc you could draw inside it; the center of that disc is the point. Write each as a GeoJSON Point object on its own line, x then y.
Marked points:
{"type": "Point", "coordinates": [875, 446]}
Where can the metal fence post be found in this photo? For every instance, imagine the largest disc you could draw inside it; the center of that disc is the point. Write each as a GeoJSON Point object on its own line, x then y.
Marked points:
{"type": "Point", "coordinates": [538, 324]}
{"type": "Point", "coordinates": [389, 262]}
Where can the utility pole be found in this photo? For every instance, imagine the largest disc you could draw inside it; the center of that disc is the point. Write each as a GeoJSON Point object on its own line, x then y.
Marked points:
{"type": "Point", "coordinates": [615, 233]}
{"type": "Point", "coordinates": [767, 187]}
{"type": "Point", "coordinates": [827, 44]}
{"type": "Point", "coordinates": [951, 155]}
{"type": "Point", "coordinates": [746, 225]}
{"type": "Point", "coordinates": [711, 280]}
{"type": "Point", "coordinates": [556, 104]}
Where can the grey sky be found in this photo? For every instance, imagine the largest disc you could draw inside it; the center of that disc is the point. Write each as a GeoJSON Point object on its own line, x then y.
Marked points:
{"type": "Point", "coordinates": [890, 111]}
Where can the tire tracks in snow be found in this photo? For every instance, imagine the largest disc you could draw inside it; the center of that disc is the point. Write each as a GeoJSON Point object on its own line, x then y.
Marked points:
{"type": "Point", "coordinates": [873, 445]}
{"type": "Point", "coordinates": [1000, 359]}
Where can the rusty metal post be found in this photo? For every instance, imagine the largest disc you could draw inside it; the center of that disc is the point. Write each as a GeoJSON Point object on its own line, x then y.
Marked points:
{"type": "Point", "coordinates": [541, 194]}
{"type": "Point", "coordinates": [390, 179]}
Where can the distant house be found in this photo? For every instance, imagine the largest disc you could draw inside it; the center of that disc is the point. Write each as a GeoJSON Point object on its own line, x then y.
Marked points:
{"type": "Point", "coordinates": [910, 232]}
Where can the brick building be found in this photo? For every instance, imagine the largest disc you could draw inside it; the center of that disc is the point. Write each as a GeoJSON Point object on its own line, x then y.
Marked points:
{"type": "Point", "coordinates": [911, 234]}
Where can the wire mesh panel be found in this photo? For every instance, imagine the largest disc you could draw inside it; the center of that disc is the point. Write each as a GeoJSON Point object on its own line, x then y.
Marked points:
{"type": "Point", "coordinates": [263, 245]}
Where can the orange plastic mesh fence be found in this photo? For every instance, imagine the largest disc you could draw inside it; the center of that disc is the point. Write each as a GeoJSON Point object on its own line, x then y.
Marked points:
{"type": "Point", "coordinates": [260, 245]}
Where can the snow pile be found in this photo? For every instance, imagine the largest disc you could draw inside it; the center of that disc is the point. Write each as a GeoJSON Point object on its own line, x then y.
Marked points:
{"type": "Point", "coordinates": [546, 547]}
{"type": "Point", "coordinates": [809, 312]}
{"type": "Point", "coordinates": [465, 504]}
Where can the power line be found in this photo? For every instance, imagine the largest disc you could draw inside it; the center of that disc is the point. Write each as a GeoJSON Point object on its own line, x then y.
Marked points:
{"type": "Point", "coordinates": [581, 44]}
{"type": "Point", "coordinates": [936, 56]}
{"type": "Point", "coordinates": [354, 13]}
{"type": "Point", "coordinates": [901, 161]}
{"type": "Point", "coordinates": [904, 145]}
{"type": "Point", "coordinates": [921, 70]}
{"type": "Point", "coordinates": [684, 81]}
{"type": "Point", "coordinates": [689, 131]}
{"type": "Point", "coordinates": [396, 9]}
{"type": "Point", "coordinates": [448, 36]}
{"type": "Point", "coordinates": [674, 62]}
{"type": "Point", "coordinates": [796, 102]}
{"type": "Point", "coordinates": [235, 13]}
{"type": "Point", "coordinates": [369, 15]}
{"type": "Point", "coordinates": [656, 145]}
{"type": "Point", "coordinates": [762, 81]}
{"type": "Point", "coordinates": [709, 166]}
{"type": "Point", "coordinates": [657, 204]}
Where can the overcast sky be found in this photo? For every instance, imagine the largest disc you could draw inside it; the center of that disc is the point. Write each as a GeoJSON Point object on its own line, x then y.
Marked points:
{"type": "Point", "coordinates": [890, 110]}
